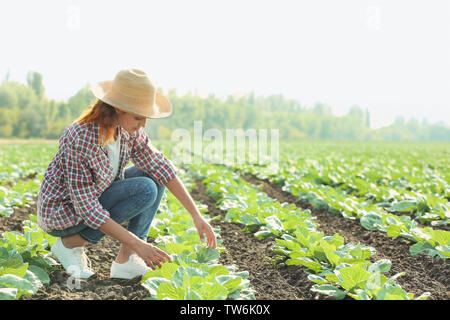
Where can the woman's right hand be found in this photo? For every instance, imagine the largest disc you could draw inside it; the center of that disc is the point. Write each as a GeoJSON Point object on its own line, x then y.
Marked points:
{"type": "Point", "coordinates": [152, 255]}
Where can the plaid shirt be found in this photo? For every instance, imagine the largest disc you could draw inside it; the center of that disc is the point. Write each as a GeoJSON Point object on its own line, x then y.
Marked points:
{"type": "Point", "coordinates": [80, 172]}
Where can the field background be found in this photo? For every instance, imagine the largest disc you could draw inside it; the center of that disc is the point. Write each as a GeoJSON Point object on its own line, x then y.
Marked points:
{"type": "Point", "coordinates": [23, 165]}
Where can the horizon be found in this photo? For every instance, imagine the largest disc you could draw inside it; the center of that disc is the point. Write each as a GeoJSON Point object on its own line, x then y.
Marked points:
{"type": "Point", "coordinates": [390, 58]}
{"type": "Point", "coordinates": [239, 94]}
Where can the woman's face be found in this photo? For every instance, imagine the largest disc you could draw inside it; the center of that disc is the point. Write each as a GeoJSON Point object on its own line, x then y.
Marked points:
{"type": "Point", "coordinates": [130, 122]}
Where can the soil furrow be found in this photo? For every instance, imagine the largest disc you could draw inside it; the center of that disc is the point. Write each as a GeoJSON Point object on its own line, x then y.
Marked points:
{"type": "Point", "coordinates": [255, 256]}
{"type": "Point", "coordinates": [423, 273]}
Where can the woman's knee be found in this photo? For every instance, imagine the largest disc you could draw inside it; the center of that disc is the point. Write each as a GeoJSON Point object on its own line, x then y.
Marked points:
{"type": "Point", "coordinates": [148, 187]}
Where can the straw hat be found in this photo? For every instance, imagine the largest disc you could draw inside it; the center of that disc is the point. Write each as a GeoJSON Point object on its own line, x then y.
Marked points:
{"type": "Point", "coordinates": [133, 91]}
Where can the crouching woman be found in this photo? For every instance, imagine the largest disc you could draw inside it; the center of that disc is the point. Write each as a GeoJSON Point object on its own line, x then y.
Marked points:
{"type": "Point", "coordinates": [87, 193]}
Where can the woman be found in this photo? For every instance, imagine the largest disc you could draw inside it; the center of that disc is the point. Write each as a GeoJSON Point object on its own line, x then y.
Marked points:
{"type": "Point", "coordinates": [87, 193]}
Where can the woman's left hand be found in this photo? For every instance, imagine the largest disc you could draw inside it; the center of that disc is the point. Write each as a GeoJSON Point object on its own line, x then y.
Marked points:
{"type": "Point", "coordinates": [205, 229]}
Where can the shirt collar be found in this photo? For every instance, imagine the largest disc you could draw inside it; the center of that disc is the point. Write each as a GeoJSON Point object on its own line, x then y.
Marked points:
{"type": "Point", "coordinates": [124, 134]}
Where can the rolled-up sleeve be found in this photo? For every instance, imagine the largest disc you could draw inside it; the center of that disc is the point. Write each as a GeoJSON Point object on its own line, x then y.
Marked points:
{"type": "Point", "coordinates": [81, 187]}
{"type": "Point", "coordinates": [149, 159]}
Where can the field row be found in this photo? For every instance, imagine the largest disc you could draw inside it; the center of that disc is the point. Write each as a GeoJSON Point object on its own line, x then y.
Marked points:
{"type": "Point", "coordinates": [22, 169]}
{"type": "Point", "coordinates": [338, 269]}
{"type": "Point", "coordinates": [432, 241]}
{"type": "Point", "coordinates": [193, 274]}
{"type": "Point", "coordinates": [352, 189]}
{"type": "Point", "coordinates": [389, 188]}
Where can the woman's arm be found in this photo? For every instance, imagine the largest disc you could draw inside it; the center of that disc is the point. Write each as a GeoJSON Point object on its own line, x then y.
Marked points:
{"type": "Point", "coordinates": [178, 189]}
{"type": "Point", "coordinates": [162, 171]}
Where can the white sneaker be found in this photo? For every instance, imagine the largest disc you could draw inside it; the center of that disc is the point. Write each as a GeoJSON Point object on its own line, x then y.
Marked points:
{"type": "Point", "coordinates": [134, 267]}
{"type": "Point", "coordinates": [74, 260]}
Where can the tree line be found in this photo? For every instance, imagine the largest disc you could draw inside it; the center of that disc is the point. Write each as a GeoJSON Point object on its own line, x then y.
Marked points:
{"type": "Point", "coordinates": [25, 112]}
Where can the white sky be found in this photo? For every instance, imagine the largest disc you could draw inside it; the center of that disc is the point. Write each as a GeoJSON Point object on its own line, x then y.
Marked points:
{"type": "Point", "coordinates": [391, 56]}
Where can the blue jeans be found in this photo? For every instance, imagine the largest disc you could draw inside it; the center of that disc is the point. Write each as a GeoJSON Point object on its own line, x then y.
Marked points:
{"type": "Point", "coordinates": [135, 199]}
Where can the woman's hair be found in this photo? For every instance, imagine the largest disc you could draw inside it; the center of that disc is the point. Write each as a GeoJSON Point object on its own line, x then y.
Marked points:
{"type": "Point", "coordinates": [105, 116]}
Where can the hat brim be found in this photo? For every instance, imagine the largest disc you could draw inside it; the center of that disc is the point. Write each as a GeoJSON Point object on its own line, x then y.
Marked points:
{"type": "Point", "coordinates": [161, 109]}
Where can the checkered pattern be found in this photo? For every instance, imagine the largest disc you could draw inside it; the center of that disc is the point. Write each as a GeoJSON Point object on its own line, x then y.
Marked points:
{"type": "Point", "coordinates": [80, 172]}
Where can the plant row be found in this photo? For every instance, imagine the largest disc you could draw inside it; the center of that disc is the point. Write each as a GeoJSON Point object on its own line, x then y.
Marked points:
{"type": "Point", "coordinates": [20, 194]}
{"type": "Point", "coordinates": [21, 171]}
{"type": "Point", "coordinates": [399, 178]}
{"type": "Point", "coordinates": [194, 272]}
{"type": "Point", "coordinates": [371, 216]}
{"type": "Point", "coordinates": [419, 191]}
{"type": "Point", "coordinates": [337, 269]}
{"type": "Point", "coordinates": [18, 162]}
{"type": "Point", "coordinates": [25, 260]}
{"type": "Point", "coordinates": [317, 182]}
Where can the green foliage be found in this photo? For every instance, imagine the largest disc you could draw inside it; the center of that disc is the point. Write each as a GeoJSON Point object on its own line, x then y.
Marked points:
{"type": "Point", "coordinates": [24, 261]}
{"type": "Point", "coordinates": [339, 269]}
{"type": "Point", "coordinates": [21, 171]}
{"type": "Point", "coordinates": [376, 184]}
{"type": "Point", "coordinates": [34, 81]}
{"type": "Point", "coordinates": [194, 273]}
{"type": "Point", "coordinates": [25, 112]}
{"type": "Point", "coordinates": [389, 187]}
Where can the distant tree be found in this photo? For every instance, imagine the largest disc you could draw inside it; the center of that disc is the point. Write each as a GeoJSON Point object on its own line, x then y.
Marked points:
{"type": "Point", "coordinates": [25, 112]}
{"type": "Point", "coordinates": [8, 118]}
{"type": "Point", "coordinates": [8, 96]}
{"type": "Point", "coordinates": [7, 75]}
{"type": "Point", "coordinates": [79, 102]}
{"type": "Point", "coordinates": [15, 95]}
{"type": "Point", "coordinates": [322, 109]}
{"type": "Point", "coordinates": [357, 112]}
{"type": "Point", "coordinates": [399, 120]}
{"type": "Point", "coordinates": [367, 118]}
{"type": "Point", "coordinates": [34, 80]}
